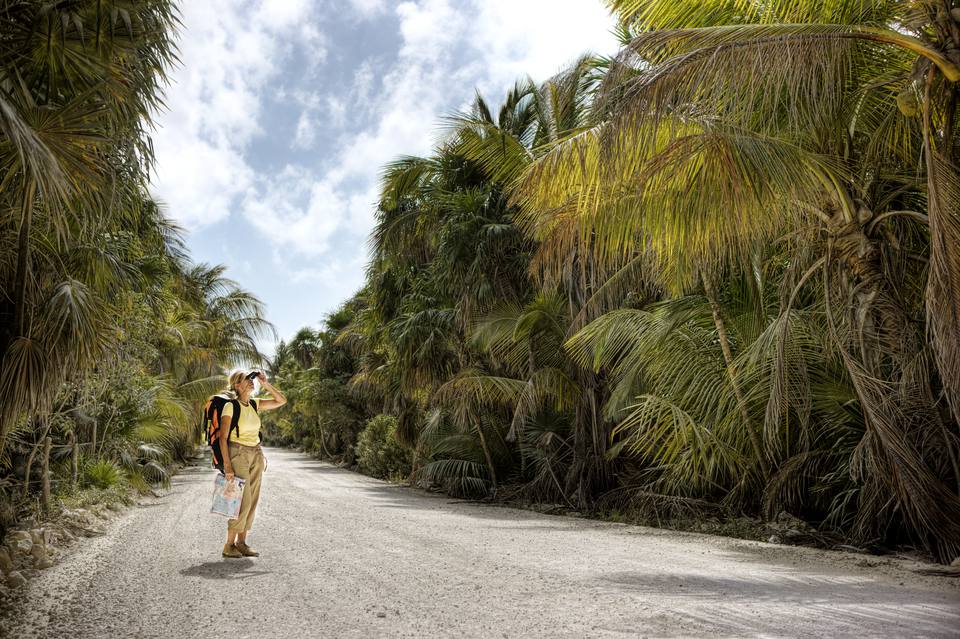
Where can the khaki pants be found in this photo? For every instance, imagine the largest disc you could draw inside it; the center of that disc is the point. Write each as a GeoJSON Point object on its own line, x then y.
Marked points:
{"type": "Point", "coordinates": [247, 463]}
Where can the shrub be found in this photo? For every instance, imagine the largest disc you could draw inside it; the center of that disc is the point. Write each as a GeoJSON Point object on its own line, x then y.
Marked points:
{"type": "Point", "coordinates": [378, 451]}
{"type": "Point", "coordinates": [307, 444]}
{"type": "Point", "coordinates": [102, 474]}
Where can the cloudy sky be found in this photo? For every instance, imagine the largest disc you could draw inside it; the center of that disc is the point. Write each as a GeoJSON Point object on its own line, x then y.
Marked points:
{"type": "Point", "coordinates": [283, 112]}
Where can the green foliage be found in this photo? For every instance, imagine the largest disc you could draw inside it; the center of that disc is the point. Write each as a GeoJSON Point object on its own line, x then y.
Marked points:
{"type": "Point", "coordinates": [119, 494]}
{"type": "Point", "coordinates": [78, 227]}
{"type": "Point", "coordinates": [322, 417]}
{"type": "Point", "coordinates": [109, 335]}
{"type": "Point", "coordinates": [695, 276]}
{"type": "Point", "coordinates": [378, 451]}
{"type": "Point", "coordinates": [102, 474]}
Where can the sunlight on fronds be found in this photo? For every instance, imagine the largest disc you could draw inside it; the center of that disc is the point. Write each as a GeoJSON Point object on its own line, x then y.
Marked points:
{"type": "Point", "coordinates": [692, 193]}
{"type": "Point", "coordinates": [693, 457]}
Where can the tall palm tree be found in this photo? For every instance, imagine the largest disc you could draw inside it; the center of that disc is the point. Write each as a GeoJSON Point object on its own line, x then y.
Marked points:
{"type": "Point", "coordinates": [78, 81]}
{"type": "Point", "coordinates": [722, 126]}
{"type": "Point", "coordinates": [526, 393]}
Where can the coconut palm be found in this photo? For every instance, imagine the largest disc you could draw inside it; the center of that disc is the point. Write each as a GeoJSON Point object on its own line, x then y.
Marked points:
{"type": "Point", "coordinates": [532, 121]}
{"type": "Point", "coordinates": [525, 393]}
{"type": "Point", "coordinates": [714, 134]}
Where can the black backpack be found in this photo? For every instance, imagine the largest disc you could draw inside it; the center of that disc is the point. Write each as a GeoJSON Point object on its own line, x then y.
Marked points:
{"type": "Point", "coordinates": [212, 412]}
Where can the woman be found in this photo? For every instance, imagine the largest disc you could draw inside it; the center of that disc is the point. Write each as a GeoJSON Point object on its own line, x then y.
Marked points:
{"type": "Point", "coordinates": [243, 456]}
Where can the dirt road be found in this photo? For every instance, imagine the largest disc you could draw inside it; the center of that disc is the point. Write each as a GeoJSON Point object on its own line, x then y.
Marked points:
{"type": "Point", "coordinates": [344, 555]}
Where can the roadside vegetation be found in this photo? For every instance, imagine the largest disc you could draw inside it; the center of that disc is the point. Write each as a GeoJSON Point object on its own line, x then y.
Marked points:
{"type": "Point", "coordinates": [716, 275]}
{"type": "Point", "coordinates": [110, 336]}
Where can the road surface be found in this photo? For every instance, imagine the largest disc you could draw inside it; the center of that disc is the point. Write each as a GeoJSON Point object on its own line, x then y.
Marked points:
{"type": "Point", "coordinates": [344, 555]}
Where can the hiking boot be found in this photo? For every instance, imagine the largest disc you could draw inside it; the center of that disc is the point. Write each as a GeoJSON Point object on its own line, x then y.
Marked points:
{"type": "Point", "coordinates": [246, 550]}
{"type": "Point", "coordinates": [231, 551]}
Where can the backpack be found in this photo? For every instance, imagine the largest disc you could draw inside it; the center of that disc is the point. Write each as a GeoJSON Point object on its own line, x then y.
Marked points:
{"type": "Point", "coordinates": [212, 412]}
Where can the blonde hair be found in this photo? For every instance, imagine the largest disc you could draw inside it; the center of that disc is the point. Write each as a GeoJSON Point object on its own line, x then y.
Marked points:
{"type": "Point", "coordinates": [233, 382]}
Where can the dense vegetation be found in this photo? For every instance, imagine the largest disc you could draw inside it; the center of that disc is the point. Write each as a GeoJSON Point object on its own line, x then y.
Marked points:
{"type": "Point", "coordinates": [109, 335]}
{"type": "Point", "coordinates": [718, 271]}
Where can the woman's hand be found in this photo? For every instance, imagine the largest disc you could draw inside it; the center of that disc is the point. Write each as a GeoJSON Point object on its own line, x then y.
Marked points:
{"type": "Point", "coordinates": [278, 399]}
{"type": "Point", "coordinates": [230, 475]}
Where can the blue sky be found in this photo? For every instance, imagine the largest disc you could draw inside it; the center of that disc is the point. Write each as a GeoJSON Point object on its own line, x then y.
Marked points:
{"type": "Point", "coordinates": [283, 112]}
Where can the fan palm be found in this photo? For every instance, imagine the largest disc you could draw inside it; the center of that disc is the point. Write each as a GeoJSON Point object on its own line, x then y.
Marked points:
{"type": "Point", "coordinates": [77, 82]}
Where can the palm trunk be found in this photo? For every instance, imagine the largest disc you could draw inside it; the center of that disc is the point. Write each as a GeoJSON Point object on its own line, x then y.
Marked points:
{"type": "Point", "coordinates": [574, 481]}
{"type": "Point", "coordinates": [731, 375]}
{"type": "Point", "coordinates": [75, 461]}
{"type": "Point", "coordinates": [589, 473]}
{"type": "Point", "coordinates": [323, 438]}
{"type": "Point", "coordinates": [45, 495]}
{"type": "Point", "coordinates": [33, 453]}
{"type": "Point", "coordinates": [574, 484]}
{"type": "Point", "coordinates": [487, 455]}
{"type": "Point", "coordinates": [891, 405]}
{"type": "Point", "coordinates": [943, 284]}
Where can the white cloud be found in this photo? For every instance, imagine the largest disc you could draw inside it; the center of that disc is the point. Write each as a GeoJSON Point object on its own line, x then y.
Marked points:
{"type": "Point", "coordinates": [565, 29]}
{"type": "Point", "coordinates": [426, 81]}
{"type": "Point", "coordinates": [198, 180]}
{"type": "Point", "coordinates": [283, 13]}
{"type": "Point", "coordinates": [368, 8]}
{"type": "Point", "coordinates": [345, 275]}
{"type": "Point", "coordinates": [316, 218]}
{"type": "Point", "coordinates": [429, 28]}
{"type": "Point", "coordinates": [214, 105]}
{"type": "Point", "coordinates": [229, 59]}
{"type": "Point", "coordinates": [337, 112]}
{"type": "Point", "coordinates": [363, 80]}
{"type": "Point", "coordinates": [293, 211]}
{"type": "Point", "coordinates": [306, 131]}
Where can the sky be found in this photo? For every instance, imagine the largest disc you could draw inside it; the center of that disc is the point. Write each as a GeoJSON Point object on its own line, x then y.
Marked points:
{"type": "Point", "coordinates": [282, 113]}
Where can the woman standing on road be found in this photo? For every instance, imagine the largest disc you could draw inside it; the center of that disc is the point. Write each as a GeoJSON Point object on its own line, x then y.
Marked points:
{"type": "Point", "coordinates": [243, 456]}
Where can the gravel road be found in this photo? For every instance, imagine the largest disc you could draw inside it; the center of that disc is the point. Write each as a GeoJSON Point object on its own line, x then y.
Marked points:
{"type": "Point", "coordinates": [344, 555]}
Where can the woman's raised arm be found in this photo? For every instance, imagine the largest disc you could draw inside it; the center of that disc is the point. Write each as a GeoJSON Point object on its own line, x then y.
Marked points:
{"type": "Point", "coordinates": [278, 398]}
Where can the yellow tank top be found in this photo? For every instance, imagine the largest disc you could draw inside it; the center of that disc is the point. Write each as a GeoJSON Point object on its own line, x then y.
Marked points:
{"type": "Point", "coordinates": [249, 424]}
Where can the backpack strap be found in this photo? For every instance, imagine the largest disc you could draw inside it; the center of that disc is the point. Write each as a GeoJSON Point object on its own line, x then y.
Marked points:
{"type": "Point", "coordinates": [235, 422]}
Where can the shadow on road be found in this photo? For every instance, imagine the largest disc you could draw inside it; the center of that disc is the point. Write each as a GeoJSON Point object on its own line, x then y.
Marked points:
{"type": "Point", "coordinates": [845, 600]}
{"type": "Point", "coordinates": [227, 569]}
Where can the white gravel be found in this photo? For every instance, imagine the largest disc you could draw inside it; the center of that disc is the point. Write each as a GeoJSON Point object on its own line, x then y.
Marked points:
{"type": "Point", "coordinates": [344, 555]}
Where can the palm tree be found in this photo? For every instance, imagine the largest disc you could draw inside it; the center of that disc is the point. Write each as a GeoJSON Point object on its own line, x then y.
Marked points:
{"type": "Point", "coordinates": [715, 135]}
{"type": "Point", "coordinates": [532, 121]}
{"type": "Point", "coordinates": [304, 347]}
{"type": "Point", "coordinates": [78, 81]}
{"type": "Point", "coordinates": [526, 393]}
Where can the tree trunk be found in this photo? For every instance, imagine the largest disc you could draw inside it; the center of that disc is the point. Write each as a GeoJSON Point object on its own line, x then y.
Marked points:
{"type": "Point", "coordinates": [589, 472]}
{"type": "Point", "coordinates": [943, 283]}
{"type": "Point", "coordinates": [323, 438]}
{"type": "Point", "coordinates": [33, 453]}
{"type": "Point", "coordinates": [75, 476]}
{"type": "Point", "coordinates": [893, 407]}
{"type": "Point", "coordinates": [731, 374]}
{"type": "Point", "coordinates": [412, 477]}
{"type": "Point", "coordinates": [45, 498]}
{"type": "Point", "coordinates": [486, 453]}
